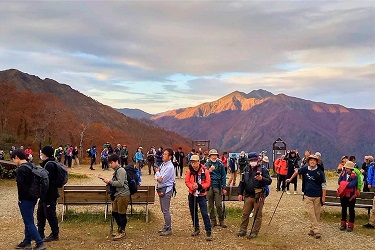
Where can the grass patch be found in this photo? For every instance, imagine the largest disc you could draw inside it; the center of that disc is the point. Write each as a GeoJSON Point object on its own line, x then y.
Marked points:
{"type": "Point", "coordinates": [78, 176]}
{"type": "Point", "coordinates": [331, 174]}
{"type": "Point", "coordinates": [233, 214]}
{"type": "Point", "coordinates": [360, 219]}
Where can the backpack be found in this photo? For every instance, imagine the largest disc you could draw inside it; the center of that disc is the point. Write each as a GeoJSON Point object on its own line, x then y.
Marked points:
{"type": "Point", "coordinates": [360, 181]}
{"type": "Point", "coordinates": [266, 189]}
{"type": "Point", "coordinates": [88, 151]}
{"type": "Point", "coordinates": [133, 178]}
{"type": "Point", "coordinates": [39, 183]}
{"type": "Point", "coordinates": [232, 163]}
{"type": "Point", "coordinates": [62, 174]}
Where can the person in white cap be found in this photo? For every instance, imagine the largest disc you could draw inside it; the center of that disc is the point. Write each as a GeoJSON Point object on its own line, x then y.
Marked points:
{"type": "Point", "coordinates": [217, 188]}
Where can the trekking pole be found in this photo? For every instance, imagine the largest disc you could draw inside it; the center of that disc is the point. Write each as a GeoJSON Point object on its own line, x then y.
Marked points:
{"type": "Point", "coordinates": [194, 213]}
{"type": "Point", "coordinates": [276, 206]}
{"type": "Point", "coordinates": [111, 226]}
{"type": "Point", "coordinates": [223, 204]}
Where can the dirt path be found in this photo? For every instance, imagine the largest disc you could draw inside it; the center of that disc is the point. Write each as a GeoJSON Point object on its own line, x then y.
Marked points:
{"type": "Point", "coordinates": [287, 231]}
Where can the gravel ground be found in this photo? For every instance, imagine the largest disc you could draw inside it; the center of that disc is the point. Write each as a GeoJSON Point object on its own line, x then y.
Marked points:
{"type": "Point", "coordinates": [288, 229]}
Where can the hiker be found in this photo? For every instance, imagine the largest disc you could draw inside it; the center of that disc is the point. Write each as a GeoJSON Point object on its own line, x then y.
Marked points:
{"type": "Point", "coordinates": [165, 183]}
{"type": "Point", "coordinates": [371, 186]}
{"type": "Point", "coordinates": [179, 155]}
{"type": "Point", "coordinates": [282, 171]}
{"type": "Point", "coordinates": [232, 164]}
{"type": "Point", "coordinates": [93, 157]}
{"type": "Point", "coordinates": [217, 189]}
{"type": "Point", "coordinates": [320, 161]}
{"type": "Point", "coordinates": [159, 157]}
{"type": "Point", "coordinates": [69, 155]}
{"type": "Point", "coordinates": [151, 159]}
{"type": "Point", "coordinates": [29, 154]}
{"type": "Point", "coordinates": [120, 195]}
{"type": "Point", "coordinates": [251, 189]}
{"type": "Point", "coordinates": [25, 202]}
{"type": "Point", "coordinates": [242, 161]}
{"type": "Point", "coordinates": [47, 205]}
{"type": "Point", "coordinates": [198, 180]}
{"type": "Point", "coordinates": [224, 160]}
{"type": "Point", "coordinates": [364, 170]}
{"type": "Point", "coordinates": [118, 150]}
{"type": "Point", "coordinates": [315, 192]}
{"type": "Point", "coordinates": [348, 192]}
{"type": "Point", "coordinates": [340, 167]}
{"type": "Point", "coordinates": [124, 153]}
{"type": "Point", "coordinates": [139, 158]}
{"type": "Point", "coordinates": [75, 156]}
{"type": "Point", "coordinates": [265, 162]}
{"type": "Point", "coordinates": [104, 159]}
{"type": "Point", "coordinates": [292, 159]}
{"type": "Point", "coordinates": [304, 163]}
{"type": "Point", "coordinates": [58, 153]}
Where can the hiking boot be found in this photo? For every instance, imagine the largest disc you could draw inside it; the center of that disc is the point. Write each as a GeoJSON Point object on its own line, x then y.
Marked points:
{"type": "Point", "coordinates": [23, 245]}
{"type": "Point", "coordinates": [161, 230]}
{"type": "Point", "coordinates": [51, 237]}
{"type": "Point", "coordinates": [295, 192]}
{"type": "Point", "coordinates": [252, 236]}
{"type": "Point", "coordinates": [208, 235]}
{"type": "Point", "coordinates": [196, 232]}
{"type": "Point", "coordinates": [350, 229]}
{"type": "Point", "coordinates": [318, 236]}
{"type": "Point", "coordinates": [342, 227]}
{"type": "Point", "coordinates": [287, 192]}
{"type": "Point", "coordinates": [241, 233]}
{"type": "Point", "coordinates": [40, 247]}
{"type": "Point", "coordinates": [213, 223]}
{"type": "Point", "coordinates": [166, 232]}
{"type": "Point", "coordinates": [119, 236]}
{"type": "Point", "coordinates": [368, 225]}
{"type": "Point", "coordinates": [222, 224]}
{"type": "Point", "coordinates": [311, 233]}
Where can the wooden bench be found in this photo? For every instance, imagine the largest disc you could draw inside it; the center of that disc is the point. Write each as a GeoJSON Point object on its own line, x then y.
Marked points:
{"type": "Point", "coordinates": [232, 194]}
{"type": "Point", "coordinates": [364, 200]}
{"type": "Point", "coordinates": [99, 194]}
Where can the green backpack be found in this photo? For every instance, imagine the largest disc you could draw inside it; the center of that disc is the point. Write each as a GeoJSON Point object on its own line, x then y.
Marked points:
{"type": "Point", "coordinates": [360, 181]}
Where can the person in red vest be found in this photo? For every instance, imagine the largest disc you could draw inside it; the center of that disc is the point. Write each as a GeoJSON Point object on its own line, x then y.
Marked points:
{"type": "Point", "coordinates": [224, 160]}
{"type": "Point", "coordinates": [29, 154]}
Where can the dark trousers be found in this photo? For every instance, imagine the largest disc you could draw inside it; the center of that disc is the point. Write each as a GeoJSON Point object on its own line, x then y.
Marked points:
{"type": "Point", "coordinates": [345, 204]}
{"type": "Point", "coordinates": [124, 161]}
{"type": "Point", "coordinates": [105, 164]}
{"type": "Point", "coordinates": [27, 213]}
{"type": "Point", "coordinates": [47, 211]}
{"type": "Point", "coordinates": [294, 181]}
{"type": "Point", "coordinates": [365, 184]}
{"type": "Point", "coordinates": [194, 201]}
{"type": "Point", "coordinates": [93, 159]}
{"type": "Point", "coordinates": [281, 182]}
{"type": "Point", "coordinates": [179, 167]}
{"type": "Point", "coordinates": [121, 221]}
{"type": "Point", "coordinates": [69, 159]}
{"type": "Point", "coordinates": [150, 165]}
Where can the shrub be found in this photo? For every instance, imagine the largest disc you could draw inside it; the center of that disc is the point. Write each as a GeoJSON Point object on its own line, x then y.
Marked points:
{"type": "Point", "coordinates": [8, 172]}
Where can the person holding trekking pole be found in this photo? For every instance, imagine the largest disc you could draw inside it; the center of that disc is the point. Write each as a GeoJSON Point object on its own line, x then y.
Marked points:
{"type": "Point", "coordinates": [198, 179]}
{"type": "Point", "coordinates": [252, 191]}
{"type": "Point", "coordinates": [315, 192]}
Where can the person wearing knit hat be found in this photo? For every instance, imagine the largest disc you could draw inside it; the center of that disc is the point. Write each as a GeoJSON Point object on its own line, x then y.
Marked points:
{"type": "Point", "coordinates": [364, 170]}
{"type": "Point", "coordinates": [348, 181]}
{"type": "Point", "coordinates": [47, 205]}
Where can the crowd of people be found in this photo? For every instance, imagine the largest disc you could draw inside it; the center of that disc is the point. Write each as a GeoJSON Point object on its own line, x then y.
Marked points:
{"type": "Point", "coordinates": [206, 181]}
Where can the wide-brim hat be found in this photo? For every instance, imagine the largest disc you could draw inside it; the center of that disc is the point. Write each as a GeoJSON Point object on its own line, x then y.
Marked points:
{"type": "Point", "coordinates": [312, 157]}
{"type": "Point", "coordinates": [349, 165]}
{"type": "Point", "coordinates": [213, 152]}
{"type": "Point", "coordinates": [252, 156]}
{"type": "Point", "coordinates": [194, 158]}
{"type": "Point", "coordinates": [265, 159]}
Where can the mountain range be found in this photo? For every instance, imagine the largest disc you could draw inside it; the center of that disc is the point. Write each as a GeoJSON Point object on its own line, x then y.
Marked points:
{"type": "Point", "coordinates": [38, 111]}
{"type": "Point", "coordinates": [253, 121]}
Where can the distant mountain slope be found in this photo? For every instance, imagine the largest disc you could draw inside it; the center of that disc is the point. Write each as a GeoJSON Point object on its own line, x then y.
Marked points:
{"type": "Point", "coordinates": [135, 113]}
{"type": "Point", "coordinates": [35, 110]}
{"type": "Point", "coordinates": [237, 122]}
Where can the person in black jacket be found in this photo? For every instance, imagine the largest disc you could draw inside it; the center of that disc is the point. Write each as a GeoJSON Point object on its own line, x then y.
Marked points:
{"type": "Point", "coordinates": [25, 202]}
{"type": "Point", "coordinates": [180, 161]}
{"type": "Point", "coordinates": [292, 159]}
{"type": "Point", "coordinates": [47, 204]}
{"type": "Point", "coordinates": [252, 190]}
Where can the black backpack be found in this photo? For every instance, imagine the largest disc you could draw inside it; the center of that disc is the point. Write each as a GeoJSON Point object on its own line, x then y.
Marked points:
{"type": "Point", "coordinates": [39, 183]}
{"type": "Point", "coordinates": [62, 174]}
{"type": "Point", "coordinates": [132, 177]}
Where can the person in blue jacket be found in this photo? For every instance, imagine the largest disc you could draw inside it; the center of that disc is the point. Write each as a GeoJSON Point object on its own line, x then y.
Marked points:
{"type": "Point", "coordinates": [371, 186]}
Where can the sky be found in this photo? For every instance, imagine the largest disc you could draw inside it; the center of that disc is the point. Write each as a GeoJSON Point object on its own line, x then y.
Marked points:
{"type": "Point", "coordinates": [162, 55]}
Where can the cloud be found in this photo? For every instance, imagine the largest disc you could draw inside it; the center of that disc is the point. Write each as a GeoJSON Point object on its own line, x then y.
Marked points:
{"type": "Point", "coordinates": [179, 48]}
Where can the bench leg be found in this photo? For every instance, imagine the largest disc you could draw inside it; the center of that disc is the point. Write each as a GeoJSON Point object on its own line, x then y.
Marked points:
{"type": "Point", "coordinates": [106, 212]}
{"type": "Point", "coordinates": [62, 213]}
{"type": "Point", "coordinates": [146, 213]}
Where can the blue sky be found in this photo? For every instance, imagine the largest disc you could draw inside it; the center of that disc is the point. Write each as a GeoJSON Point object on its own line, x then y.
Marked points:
{"type": "Point", "coordinates": [161, 55]}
